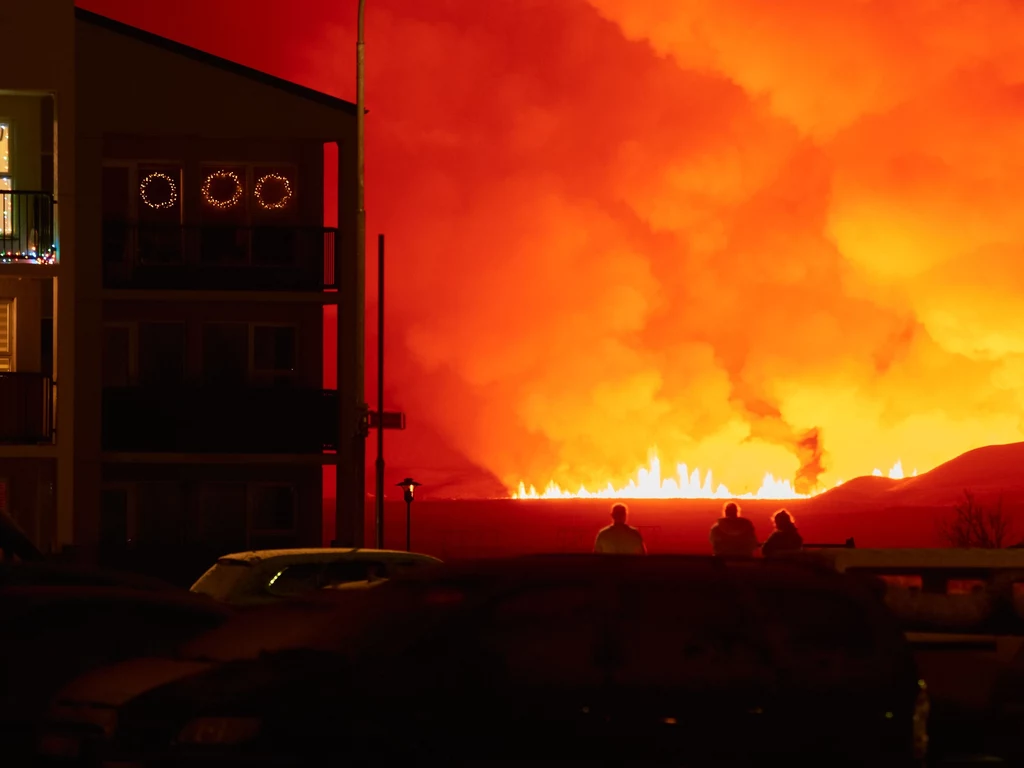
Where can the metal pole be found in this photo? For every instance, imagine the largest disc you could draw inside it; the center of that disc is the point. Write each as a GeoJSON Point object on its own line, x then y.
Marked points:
{"type": "Point", "coordinates": [359, 447]}
{"type": "Point", "coordinates": [408, 525]}
{"type": "Point", "coordinates": [379, 491]}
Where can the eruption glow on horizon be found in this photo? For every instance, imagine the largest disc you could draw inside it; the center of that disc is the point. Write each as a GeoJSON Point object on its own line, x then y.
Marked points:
{"type": "Point", "coordinates": [778, 239]}
{"type": "Point", "coordinates": [649, 484]}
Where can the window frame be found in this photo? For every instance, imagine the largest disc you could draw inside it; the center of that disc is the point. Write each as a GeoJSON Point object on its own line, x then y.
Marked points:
{"type": "Point", "coordinates": [8, 175]}
{"type": "Point", "coordinates": [258, 375]}
{"type": "Point", "coordinates": [133, 181]}
{"type": "Point", "coordinates": [11, 356]}
{"type": "Point", "coordinates": [249, 168]}
{"type": "Point", "coordinates": [131, 509]}
{"type": "Point", "coordinates": [132, 326]}
{"type": "Point", "coordinates": [251, 490]}
{"type": "Point", "coordinates": [205, 489]}
{"type": "Point", "coordinates": [138, 349]}
{"type": "Point", "coordinates": [251, 532]}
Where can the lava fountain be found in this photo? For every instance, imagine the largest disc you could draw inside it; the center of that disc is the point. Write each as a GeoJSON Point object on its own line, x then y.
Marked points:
{"type": "Point", "coordinates": [686, 484]}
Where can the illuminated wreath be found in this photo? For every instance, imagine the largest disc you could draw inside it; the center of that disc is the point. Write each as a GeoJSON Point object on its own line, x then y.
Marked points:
{"type": "Point", "coordinates": [222, 203]}
{"type": "Point", "coordinates": [172, 191]}
{"type": "Point", "coordinates": [282, 199]}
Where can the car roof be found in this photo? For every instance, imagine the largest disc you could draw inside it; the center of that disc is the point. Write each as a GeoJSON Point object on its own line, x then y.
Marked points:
{"type": "Point", "coordinates": [924, 558]}
{"type": "Point", "coordinates": [324, 554]}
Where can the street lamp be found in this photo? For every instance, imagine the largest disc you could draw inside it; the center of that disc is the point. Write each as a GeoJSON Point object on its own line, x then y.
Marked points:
{"type": "Point", "coordinates": [409, 486]}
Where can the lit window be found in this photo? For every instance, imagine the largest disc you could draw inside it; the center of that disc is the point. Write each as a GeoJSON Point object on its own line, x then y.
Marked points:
{"type": "Point", "coordinates": [6, 345]}
{"type": "Point", "coordinates": [6, 185]}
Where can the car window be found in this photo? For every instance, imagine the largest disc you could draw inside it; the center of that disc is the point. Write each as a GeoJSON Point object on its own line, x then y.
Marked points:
{"type": "Point", "coordinates": [675, 636]}
{"type": "Point", "coordinates": [224, 579]}
{"type": "Point", "coordinates": [346, 571]}
{"type": "Point", "coordinates": [296, 580]}
{"type": "Point", "coordinates": [398, 567]}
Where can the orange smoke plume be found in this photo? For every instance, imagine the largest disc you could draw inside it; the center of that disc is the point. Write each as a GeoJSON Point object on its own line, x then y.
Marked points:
{"type": "Point", "coordinates": [761, 237]}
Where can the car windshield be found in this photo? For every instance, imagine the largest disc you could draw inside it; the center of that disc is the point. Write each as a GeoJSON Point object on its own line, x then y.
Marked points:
{"type": "Point", "coordinates": [223, 578]}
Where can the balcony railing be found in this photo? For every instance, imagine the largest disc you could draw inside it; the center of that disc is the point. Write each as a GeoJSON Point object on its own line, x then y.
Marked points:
{"type": "Point", "coordinates": [26, 409]}
{"type": "Point", "coordinates": [217, 257]}
{"type": "Point", "coordinates": [219, 420]}
{"type": "Point", "coordinates": [27, 227]}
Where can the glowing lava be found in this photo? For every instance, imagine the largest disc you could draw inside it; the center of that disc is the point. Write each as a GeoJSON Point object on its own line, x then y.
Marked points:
{"type": "Point", "coordinates": [649, 484]}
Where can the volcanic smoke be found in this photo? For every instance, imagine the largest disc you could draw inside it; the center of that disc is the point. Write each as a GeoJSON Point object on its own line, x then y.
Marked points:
{"type": "Point", "coordinates": [764, 237]}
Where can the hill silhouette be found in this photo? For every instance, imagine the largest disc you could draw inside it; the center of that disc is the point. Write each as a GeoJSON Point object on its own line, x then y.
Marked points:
{"type": "Point", "coordinates": [988, 472]}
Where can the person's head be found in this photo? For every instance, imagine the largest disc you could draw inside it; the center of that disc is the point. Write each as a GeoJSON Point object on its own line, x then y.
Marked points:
{"type": "Point", "coordinates": [619, 513]}
{"type": "Point", "coordinates": [731, 509]}
{"type": "Point", "coordinates": [782, 519]}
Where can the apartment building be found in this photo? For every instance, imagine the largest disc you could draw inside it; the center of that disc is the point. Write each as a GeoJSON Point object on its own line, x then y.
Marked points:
{"type": "Point", "coordinates": [169, 260]}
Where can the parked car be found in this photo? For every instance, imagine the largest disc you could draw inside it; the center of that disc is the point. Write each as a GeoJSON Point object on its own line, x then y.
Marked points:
{"type": "Point", "coordinates": [82, 719]}
{"type": "Point", "coordinates": [576, 658]}
{"type": "Point", "coordinates": [961, 611]}
{"type": "Point", "coordinates": [267, 576]}
{"type": "Point", "coordinates": [54, 634]}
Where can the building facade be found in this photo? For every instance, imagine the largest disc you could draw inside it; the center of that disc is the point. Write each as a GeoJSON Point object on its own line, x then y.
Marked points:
{"type": "Point", "coordinates": [163, 387]}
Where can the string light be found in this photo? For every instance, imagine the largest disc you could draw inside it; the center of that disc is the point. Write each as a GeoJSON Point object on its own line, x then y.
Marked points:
{"type": "Point", "coordinates": [283, 199]}
{"type": "Point", "coordinates": [49, 256]}
{"type": "Point", "coordinates": [236, 194]}
{"type": "Point", "coordinates": [158, 205]}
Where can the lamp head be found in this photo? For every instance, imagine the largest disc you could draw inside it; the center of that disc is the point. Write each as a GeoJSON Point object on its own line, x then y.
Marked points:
{"type": "Point", "coordinates": [409, 486]}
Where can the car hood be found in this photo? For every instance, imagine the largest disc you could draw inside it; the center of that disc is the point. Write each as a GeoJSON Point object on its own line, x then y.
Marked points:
{"type": "Point", "coordinates": [115, 685]}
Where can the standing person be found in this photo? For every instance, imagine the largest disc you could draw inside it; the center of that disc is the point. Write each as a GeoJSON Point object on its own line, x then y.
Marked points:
{"type": "Point", "coordinates": [732, 535]}
{"type": "Point", "coordinates": [785, 538]}
{"type": "Point", "coordinates": [619, 538]}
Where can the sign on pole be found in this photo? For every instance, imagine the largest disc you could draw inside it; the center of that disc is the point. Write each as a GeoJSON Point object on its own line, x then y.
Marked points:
{"type": "Point", "coordinates": [392, 420]}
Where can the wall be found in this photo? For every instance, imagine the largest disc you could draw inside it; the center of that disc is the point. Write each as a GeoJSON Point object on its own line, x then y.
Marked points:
{"type": "Point", "coordinates": [194, 111]}
{"type": "Point", "coordinates": [162, 93]}
{"type": "Point", "coordinates": [38, 52]}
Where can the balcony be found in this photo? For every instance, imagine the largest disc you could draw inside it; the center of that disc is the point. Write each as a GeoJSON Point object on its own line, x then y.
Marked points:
{"type": "Point", "coordinates": [219, 420]}
{"type": "Point", "coordinates": [26, 409]}
{"type": "Point", "coordinates": [217, 257]}
{"type": "Point", "coordinates": [27, 227]}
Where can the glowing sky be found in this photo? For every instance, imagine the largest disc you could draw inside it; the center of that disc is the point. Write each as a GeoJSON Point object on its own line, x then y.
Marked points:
{"type": "Point", "coordinates": [764, 237]}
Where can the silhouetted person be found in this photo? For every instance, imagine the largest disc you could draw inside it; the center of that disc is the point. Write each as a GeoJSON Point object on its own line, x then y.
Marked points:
{"type": "Point", "coordinates": [785, 538]}
{"type": "Point", "coordinates": [619, 538]}
{"type": "Point", "coordinates": [732, 535]}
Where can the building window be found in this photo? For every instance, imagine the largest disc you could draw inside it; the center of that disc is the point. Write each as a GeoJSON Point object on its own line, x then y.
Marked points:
{"type": "Point", "coordinates": [272, 508]}
{"type": "Point", "coordinates": [117, 520]}
{"type": "Point", "coordinates": [6, 335]}
{"type": "Point", "coordinates": [161, 354]}
{"type": "Point", "coordinates": [118, 355]}
{"type": "Point", "coordinates": [6, 182]}
{"type": "Point", "coordinates": [117, 212]}
{"type": "Point", "coordinates": [274, 350]}
{"type": "Point", "coordinates": [158, 202]}
{"type": "Point", "coordinates": [225, 354]}
{"type": "Point", "coordinates": [222, 517]}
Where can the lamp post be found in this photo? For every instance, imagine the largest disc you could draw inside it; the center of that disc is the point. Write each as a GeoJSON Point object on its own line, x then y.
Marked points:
{"type": "Point", "coordinates": [362, 411]}
{"type": "Point", "coordinates": [409, 486]}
